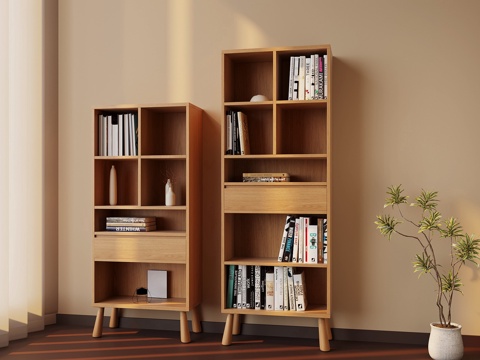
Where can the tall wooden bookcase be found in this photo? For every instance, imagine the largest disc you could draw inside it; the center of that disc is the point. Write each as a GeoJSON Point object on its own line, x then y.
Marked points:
{"type": "Point", "coordinates": [169, 146]}
{"type": "Point", "coordinates": [292, 136]}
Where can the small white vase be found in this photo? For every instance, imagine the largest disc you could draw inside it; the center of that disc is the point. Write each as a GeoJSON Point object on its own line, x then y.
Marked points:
{"type": "Point", "coordinates": [445, 343]}
{"type": "Point", "coordinates": [112, 196]}
{"type": "Point", "coordinates": [169, 194]}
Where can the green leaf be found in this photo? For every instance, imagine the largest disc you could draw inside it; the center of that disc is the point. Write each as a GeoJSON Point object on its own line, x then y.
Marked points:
{"type": "Point", "coordinates": [453, 229]}
{"type": "Point", "coordinates": [427, 200]}
{"type": "Point", "coordinates": [386, 225]}
{"type": "Point", "coordinates": [451, 283]}
{"type": "Point", "coordinates": [467, 248]}
{"type": "Point", "coordinates": [423, 264]}
{"type": "Point", "coordinates": [431, 222]}
{"type": "Point", "coordinates": [396, 197]}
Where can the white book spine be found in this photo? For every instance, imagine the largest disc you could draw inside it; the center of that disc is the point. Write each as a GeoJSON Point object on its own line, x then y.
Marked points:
{"type": "Point", "coordinates": [300, 291]}
{"type": "Point", "coordinates": [115, 139]}
{"type": "Point", "coordinates": [278, 270]}
{"type": "Point", "coordinates": [301, 79]}
{"type": "Point", "coordinates": [239, 287]}
{"type": "Point", "coordinates": [244, 286]}
{"type": "Point", "coordinates": [305, 240]}
{"type": "Point", "coordinates": [296, 77]}
{"type": "Point", "coordinates": [308, 95]}
{"type": "Point", "coordinates": [125, 135]}
{"type": "Point", "coordinates": [269, 291]}
{"type": "Point", "coordinates": [290, 78]}
{"type": "Point", "coordinates": [120, 135]}
{"type": "Point", "coordinates": [286, 302]}
{"type": "Point", "coordinates": [301, 242]}
{"type": "Point", "coordinates": [325, 77]}
{"type": "Point", "coordinates": [109, 136]}
{"type": "Point", "coordinates": [228, 135]}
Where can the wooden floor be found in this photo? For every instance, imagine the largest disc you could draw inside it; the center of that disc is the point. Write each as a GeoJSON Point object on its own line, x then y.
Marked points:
{"type": "Point", "coordinates": [68, 342]}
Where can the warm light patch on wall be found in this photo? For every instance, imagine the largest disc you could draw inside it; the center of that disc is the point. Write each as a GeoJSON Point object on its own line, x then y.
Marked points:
{"type": "Point", "coordinates": [180, 49]}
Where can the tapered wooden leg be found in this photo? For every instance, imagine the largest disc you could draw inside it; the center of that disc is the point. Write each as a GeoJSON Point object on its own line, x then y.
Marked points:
{"type": "Point", "coordinates": [114, 318]}
{"type": "Point", "coordinates": [196, 325]}
{"type": "Point", "coordinates": [97, 329]}
{"type": "Point", "coordinates": [323, 335]}
{"type": "Point", "coordinates": [227, 333]}
{"type": "Point", "coordinates": [184, 332]}
{"type": "Point", "coordinates": [329, 329]}
{"type": "Point", "coordinates": [237, 322]}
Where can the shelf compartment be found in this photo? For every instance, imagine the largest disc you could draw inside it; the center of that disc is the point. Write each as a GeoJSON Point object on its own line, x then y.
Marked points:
{"type": "Point", "coordinates": [155, 173]}
{"type": "Point", "coordinates": [120, 279]}
{"type": "Point", "coordinates": [315, 285]}
{"type": "Point", "coordinates": [258, 236]}
{"type": "Point", "coordinates": [260, 128]}
{"type": "Point", "coordinates": [301, 128]}
{"type": "Point", "coordinates": [283, 66]}
{"type": "Point", "coordinates": [170, 219]}
{"type": "Point", "coordinates": [163, 130]}
{"type": "Point", "coordinates": [273, 199]}
{"type": "Point", "coordinates": [247, 74]}
{"type": "Point", "coordinates": [127, 180]}
{"type": "Point", "coordinates": [165, 249]}
{"type": "Point", "coordinates": [300, 168]}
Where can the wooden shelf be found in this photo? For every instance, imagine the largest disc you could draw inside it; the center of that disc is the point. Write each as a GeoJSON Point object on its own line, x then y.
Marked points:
{"type": "Point", "coordinates": [285, 136]}
{"type": "Point", "coordinates": [168, 138]}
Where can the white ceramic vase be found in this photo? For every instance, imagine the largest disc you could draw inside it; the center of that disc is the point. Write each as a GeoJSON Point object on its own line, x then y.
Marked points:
{"type": "Point", "coordinates": [445, 343]}
{"type": "Point", "coordinates": [169, 194]}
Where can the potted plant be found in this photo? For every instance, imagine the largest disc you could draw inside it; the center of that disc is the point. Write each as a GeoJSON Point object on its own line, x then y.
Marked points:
{"type": "Point", "coordinates": [430, 232]}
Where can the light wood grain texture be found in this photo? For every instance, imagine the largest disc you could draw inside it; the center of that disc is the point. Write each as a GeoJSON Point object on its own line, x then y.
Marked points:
{"type": "Point", "coordinates": [285, 136]}
{"type": "Point", "coordinates": [169, 147]}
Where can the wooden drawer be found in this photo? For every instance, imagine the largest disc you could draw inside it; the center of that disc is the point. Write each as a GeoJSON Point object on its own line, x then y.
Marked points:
{"type": "Point", "coordinates": [140, 249]}
{"type": "Point", "coordinates": [294, 199]}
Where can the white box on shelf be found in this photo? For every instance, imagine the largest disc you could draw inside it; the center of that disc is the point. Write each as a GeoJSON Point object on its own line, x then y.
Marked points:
{"type": "Point", "coordinates": [157, 283]}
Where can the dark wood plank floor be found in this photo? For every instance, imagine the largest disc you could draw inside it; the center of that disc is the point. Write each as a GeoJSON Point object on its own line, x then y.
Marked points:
{"type": "Point", "coordinates": [76, 342]}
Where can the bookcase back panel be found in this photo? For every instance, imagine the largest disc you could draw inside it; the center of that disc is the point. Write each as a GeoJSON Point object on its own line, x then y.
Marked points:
{"type": "Point", "coordinates": [163, 131]}
{"type": "Point", "coordinates": [257, 235]}
{"type": "Point", "coordinates": [316, 280]}
{"type": "Point", "coordinates": [246, 76]}
{"type": "Point", "coordinates": [151, 249]}
{"type": "Point", "coordinates": [127, 181]}
{"type": "Point", "coordinates": [301, 131]}
{"type": "Point", "coordinates": [155, 173]}
{"type": "Point", "coordinates": [299, 169]}
{"type": "Point", "coordinates": [272, 199]}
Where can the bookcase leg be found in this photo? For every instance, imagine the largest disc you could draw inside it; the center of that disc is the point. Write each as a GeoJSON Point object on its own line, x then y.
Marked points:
{"type": "Point", "coordinates": [114, 318]}
{"type": "Point", "coordinates": [184, 332]}
{"type": "Point", "coordinates": [323, 335]}
{"type": "Point", "coordinates": [196, 325]}
{"type": "Point", "coordinates": [237, 322]}
{"type": "Point", "coordinates": [97, 329]}
{"type": "Point", "coordinates": [227, 333]}
{"type": "Point", "coordinates": [329, 329]}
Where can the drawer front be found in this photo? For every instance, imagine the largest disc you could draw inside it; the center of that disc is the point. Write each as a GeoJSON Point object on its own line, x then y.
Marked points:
{"type": "Point", "coordinates": [294, 199]}
{"type": "Point", "coordinates": [151, 249]}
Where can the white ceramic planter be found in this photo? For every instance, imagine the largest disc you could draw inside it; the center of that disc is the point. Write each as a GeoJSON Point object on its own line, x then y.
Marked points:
{"type": "Point", "coordinates": [444, 343]}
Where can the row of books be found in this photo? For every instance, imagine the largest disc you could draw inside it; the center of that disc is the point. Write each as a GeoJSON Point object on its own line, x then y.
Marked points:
{"type": "Point", "coordinates": [308, 77]}
{"type": "Point", "coordinates": [266, 288]}
{"type": "Point", "coordinates": [130, 224]}
{"type": "Point", "coordinates": [238, 142]}
{"type": "Point", "coordinates": [266, 177]}
{"type": "Point", "coordinates": [304, 240]}
{"type": "Point", "coordinates": [117, 134]}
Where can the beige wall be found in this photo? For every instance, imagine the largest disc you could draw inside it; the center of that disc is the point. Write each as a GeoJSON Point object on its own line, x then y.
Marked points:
{"type": "Point", "coordinates": [406, 82]}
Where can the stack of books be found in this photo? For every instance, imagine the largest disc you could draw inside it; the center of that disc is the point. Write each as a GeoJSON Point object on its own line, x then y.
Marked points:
{"type": "Point", "coordinates": [266, 177]}
{"type": "Point", "coordinates": [266, 288]}
{"type": "Point", "coordinates": [131, 224]}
